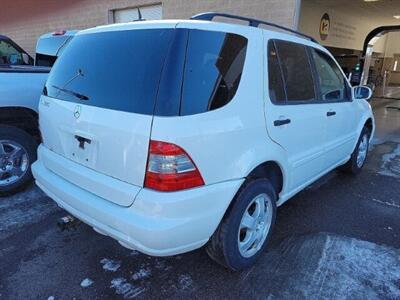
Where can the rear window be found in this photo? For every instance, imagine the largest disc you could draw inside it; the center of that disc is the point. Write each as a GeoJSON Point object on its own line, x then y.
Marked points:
{"type": "Point", "coordinates": [115, 70]}
{"type": "Point", "coordinates": [168, 72]}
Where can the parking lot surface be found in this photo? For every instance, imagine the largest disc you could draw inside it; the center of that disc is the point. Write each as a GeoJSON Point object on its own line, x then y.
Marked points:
{"type": "Point", "coordinates": [339, 238]}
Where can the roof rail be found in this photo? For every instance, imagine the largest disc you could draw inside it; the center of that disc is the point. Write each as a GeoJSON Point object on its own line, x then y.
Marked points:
{"type": "Point", "coordinates": [209, 16]}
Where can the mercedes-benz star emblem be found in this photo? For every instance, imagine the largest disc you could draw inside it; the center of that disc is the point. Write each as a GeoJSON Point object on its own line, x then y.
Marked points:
{"type": "Point", "coordinates": [77, 111]}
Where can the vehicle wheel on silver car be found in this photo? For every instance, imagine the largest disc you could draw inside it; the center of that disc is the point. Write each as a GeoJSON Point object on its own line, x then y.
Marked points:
{"type": "Point", "coordinates": [17, 152]}
{"type": "Point", "coordinates": [359, 155]}
{"type": "Point", "coordinates": [246, 227]}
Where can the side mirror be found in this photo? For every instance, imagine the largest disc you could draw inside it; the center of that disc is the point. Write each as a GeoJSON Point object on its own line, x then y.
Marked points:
{"type": "Point", "coordinates": [362, 92]}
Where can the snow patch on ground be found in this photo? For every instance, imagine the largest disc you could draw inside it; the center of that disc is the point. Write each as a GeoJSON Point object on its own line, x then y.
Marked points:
{"type": "Point", "coordinates": [126, 289]}
{"type": "Point", "coordinates": [134, 253]}
{"type": "Point", "coordinates": [86, 282]}
{"type": "Point", "coordinates": [350, 268]}
{"type": "Point", "coordinates": [392, 204]}
{"type": "Point", "coordinates": [22, 209]}
{"type": "Point", "coordinates": [391, 163]}
{"type": "Point", "coordinates": [110, 265]}
{"type": "Point", "coordinates": [141, 274]}
{"type": "Point", "coordinates": [185, 282]}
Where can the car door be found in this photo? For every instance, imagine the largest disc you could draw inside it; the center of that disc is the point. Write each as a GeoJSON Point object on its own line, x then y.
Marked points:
{"type": "Point", "coordinates": [335, 93]}
{"type": "Point", "coordinates": [295, 120]}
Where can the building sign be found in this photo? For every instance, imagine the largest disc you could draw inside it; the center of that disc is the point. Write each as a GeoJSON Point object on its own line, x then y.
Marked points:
{"type": "Point", "coordinates": [324, 26]}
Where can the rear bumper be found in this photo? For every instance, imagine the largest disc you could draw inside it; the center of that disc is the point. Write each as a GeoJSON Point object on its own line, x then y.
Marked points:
{"type": "Point", "coordinates": [158, 224]}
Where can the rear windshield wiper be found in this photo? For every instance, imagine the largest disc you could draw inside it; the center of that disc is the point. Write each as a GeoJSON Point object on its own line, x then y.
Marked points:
{"type": "Point", "coordinates": [75, 94]}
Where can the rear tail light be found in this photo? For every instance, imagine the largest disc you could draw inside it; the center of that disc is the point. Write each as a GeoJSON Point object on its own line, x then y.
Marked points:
{"type": "Point", "coordinates": [170, 168]}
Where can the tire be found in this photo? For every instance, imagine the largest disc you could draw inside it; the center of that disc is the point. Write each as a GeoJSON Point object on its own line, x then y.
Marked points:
{"type": "Point", "coordinates": [14, 158]}
{"type": "Point", "coordinates": [224, 246]}
{"type": "Point", "coordinates": [353, 166]}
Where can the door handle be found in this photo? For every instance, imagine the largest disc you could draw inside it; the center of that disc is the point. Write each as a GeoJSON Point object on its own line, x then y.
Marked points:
{"type": "Point", "coordinates": [281, 122]}
{"type": "Point", "coordinates": [331, 113]}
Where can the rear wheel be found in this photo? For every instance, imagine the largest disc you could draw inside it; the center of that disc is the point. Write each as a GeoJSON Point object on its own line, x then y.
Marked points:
{"type": "Point", "coordinates": [246, 228]}
{"type": "Point", "coordinates": [17, 152]}
{"type": "Point", "coordinates": [359, 155]}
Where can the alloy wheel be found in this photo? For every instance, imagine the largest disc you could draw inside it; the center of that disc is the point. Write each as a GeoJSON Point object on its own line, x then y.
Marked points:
{"type": "Point", "coordinates": [14, 162]}
{"type": "Point", "coordinates": [362, 151]}
{"type": "Point", "coordinates": [255, 225]}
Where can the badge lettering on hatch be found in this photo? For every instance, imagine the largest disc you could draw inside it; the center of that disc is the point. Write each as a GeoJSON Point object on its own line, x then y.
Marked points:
{"type": "Point", "coordinates": [81, 140]}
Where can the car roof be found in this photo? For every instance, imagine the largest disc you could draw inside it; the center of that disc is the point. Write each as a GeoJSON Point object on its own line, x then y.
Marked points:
{"type": "Point", "coordinates": [4, 37]}
{"type": "Point", "coordinates": [212, 25]}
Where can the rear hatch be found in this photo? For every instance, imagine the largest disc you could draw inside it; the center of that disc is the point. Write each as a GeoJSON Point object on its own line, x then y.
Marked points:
{"type": "Point", "coordinates": [99, 99]}
{"type": "Point", "coordinates": [108, 84]}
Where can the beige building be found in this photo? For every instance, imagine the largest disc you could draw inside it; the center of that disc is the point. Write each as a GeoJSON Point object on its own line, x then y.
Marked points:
{"type": "Point", "coordinates": [25, 20]}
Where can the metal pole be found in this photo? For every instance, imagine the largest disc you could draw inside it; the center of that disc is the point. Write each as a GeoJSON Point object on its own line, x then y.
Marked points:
{"type": "Point", "coordinates": [384, 83]}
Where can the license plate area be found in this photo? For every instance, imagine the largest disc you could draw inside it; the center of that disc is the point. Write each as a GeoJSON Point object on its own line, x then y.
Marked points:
{"type": "Point", "coordinates": [84, 150]}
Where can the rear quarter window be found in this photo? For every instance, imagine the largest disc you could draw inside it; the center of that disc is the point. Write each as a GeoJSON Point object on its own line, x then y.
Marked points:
{"type": "Point", "coordinates": [213, 69]}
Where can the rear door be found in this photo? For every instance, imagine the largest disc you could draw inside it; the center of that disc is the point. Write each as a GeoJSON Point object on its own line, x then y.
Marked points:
{"type": "Point", "coordinates": [99, 99]}
{"type": "Point", "coordinates": [335, 94]}
{"type": "Point", "coordinates": [295, 119]}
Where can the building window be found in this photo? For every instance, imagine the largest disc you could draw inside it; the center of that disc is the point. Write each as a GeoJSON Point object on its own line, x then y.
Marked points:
{"type": "Point", "coordinates": [151, 12]}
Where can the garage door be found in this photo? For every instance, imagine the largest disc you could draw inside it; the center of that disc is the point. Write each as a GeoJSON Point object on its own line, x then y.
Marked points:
{"type": "Point", "coordinates": [152, 12]}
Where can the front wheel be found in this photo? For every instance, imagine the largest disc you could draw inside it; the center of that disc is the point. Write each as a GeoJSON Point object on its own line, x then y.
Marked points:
{"type": "Point", "coordinates": [246, 227]}
{"type": "Point", "coordinates": [17, 153]}
{"type": "Point", "coordinates": [359, 155]}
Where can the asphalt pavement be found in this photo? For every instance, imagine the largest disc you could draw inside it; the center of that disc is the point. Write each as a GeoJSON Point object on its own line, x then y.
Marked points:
{"type": "Point", "coordinates": [337, 239]}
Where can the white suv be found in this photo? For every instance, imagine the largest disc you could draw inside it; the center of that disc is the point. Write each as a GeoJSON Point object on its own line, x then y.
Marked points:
{"type": "Point", "coordinates": [172, 135]}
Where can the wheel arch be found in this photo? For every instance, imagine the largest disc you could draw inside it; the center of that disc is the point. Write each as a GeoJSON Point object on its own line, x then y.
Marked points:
{"type": "Point", "coordinates": [367, 121]}
{"type": "Point", "coordinates": [370, 125]}
{"type": "Point", "coordinates": [21, 117]}
{"type": "Point", "coordinates": [271, 170]}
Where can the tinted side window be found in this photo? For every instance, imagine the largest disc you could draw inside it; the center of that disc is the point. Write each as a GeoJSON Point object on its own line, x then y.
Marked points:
{"type": "Point", "coordinates": [45, 60]}
{"type": "Point", "coordinates": [296, 71]}
{"type": "Point", "coordinates": [9, 55]}
{"type": "Point", "coordinates": [213, 69]}
{"type": "Point", "coordinates": [331, 81]}
{"type": "Point", "coordinates": [275, 80]}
